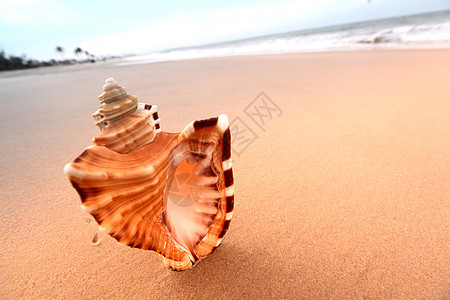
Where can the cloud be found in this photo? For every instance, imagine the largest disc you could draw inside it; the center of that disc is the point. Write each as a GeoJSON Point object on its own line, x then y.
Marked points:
{"type": "Point", "coordinates": [25, 12]}
{"type": "Point", "coordinates": [212, 26]}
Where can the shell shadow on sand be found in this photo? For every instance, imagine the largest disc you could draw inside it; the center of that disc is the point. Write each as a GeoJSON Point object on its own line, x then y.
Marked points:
{"type": "Point", "coordinates": [234, 272]}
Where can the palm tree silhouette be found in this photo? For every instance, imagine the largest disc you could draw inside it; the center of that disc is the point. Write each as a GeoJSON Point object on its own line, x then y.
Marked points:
{"type": "Point", "coordinates": [90, 56]}
{"type": "Point", "coordinates": [60, 50]}
{"type": "Point", "coordinates": [78, 51]}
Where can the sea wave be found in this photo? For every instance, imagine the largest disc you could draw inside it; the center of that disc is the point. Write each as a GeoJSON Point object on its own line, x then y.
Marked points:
{"type": "Point", "coordinates": [420, 31]}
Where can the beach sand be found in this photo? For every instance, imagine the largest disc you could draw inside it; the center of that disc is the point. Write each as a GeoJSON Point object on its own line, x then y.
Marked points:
{"type": "Point", "coordinates": [342, 192]}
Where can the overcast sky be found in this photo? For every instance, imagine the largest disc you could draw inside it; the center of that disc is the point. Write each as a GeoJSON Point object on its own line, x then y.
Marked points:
{"type": "Point", "coordinates": [36, 27]}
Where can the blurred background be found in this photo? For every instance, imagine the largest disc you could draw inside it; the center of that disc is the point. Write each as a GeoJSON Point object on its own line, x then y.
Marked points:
{"type": "Point", "coordinates": [88, 31]}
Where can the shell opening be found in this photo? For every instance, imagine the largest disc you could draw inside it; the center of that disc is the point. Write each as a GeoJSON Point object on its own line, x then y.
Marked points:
{"type": "Point", "coordinates": [191, 195]}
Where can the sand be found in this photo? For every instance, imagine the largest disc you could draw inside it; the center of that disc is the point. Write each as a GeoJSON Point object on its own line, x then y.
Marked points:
{"type": "Point", "coordinates": [343, 193]}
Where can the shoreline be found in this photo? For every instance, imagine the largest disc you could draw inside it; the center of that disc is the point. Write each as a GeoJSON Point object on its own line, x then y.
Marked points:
{"type": "Point", "coordinates": [140, 59]}
{"type": "Point", "coordinates": [119, 62]}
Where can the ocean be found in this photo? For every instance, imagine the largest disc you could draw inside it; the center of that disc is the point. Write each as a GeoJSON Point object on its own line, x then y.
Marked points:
{"type": "Point", "coordinates": [430, 30]}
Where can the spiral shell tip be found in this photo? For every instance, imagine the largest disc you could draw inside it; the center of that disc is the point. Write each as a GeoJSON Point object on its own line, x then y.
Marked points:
{"type": "Point", "coordinates": [110, 83]}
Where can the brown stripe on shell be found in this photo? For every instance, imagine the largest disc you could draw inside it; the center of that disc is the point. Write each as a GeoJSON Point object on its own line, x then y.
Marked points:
{"type": "Point", "coordinates": [226, 151]}
{"type": "Point", "coordinates": [230, 203]}
{"type": "Point", "coordinates": [228, 175]}
{"type": "Point", "coordinates": [205, 123]}
{"type": "Point", "coordinates": [226, 225]}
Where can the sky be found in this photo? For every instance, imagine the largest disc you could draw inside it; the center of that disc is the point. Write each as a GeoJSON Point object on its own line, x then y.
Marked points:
{"type": "Point", "coordinates": [35, 27]}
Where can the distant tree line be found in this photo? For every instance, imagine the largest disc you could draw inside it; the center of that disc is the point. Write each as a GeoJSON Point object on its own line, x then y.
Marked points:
{"type": "Point", "coordinates": [78, 52]}
{"type": "Point", "coordinates": [12, 62]}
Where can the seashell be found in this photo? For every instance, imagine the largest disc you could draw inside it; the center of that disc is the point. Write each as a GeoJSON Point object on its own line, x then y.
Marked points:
{"type": "Point", "coordinates": [172, 193]}
{"type": "Point", "coordinates": [116, 104]}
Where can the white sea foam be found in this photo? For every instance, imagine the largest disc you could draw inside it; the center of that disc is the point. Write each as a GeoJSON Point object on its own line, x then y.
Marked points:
{"type": "Point", "coordinates": [419, 31]}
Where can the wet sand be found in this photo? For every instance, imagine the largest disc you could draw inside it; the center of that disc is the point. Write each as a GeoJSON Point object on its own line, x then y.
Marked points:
{"type": "Point", "coordinates": [342, 178]}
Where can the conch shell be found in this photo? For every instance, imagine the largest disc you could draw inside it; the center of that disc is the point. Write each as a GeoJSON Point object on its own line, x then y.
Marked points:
{"type": "Point", "coordinates": [172, 193]}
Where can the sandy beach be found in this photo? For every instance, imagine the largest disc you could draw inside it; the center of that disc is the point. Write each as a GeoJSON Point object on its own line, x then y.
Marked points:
{"type": "Point", "coordinates": [342, 181]}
